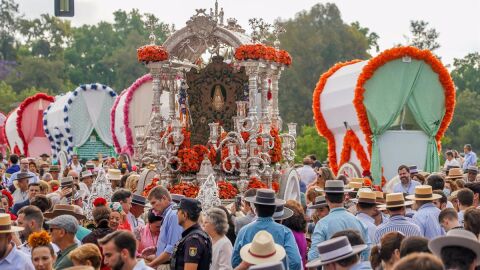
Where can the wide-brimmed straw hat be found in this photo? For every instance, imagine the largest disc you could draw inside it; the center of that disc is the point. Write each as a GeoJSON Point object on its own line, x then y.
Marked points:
{"type": "Point", "coordinates": [6, 224]}
{"type": "Point", "coordinates": [334, 250]}
{"type": "Point", "coordinates": [367, 196]}
{"type": "Point", "coordinates": [318, 203]}
{"type": "Point", "coordinates": [335, 186]}
{"type": "Point", "coordinates": [282, 212]}
{"type": "Point", "coordinates": [455, 173]}
{"type": "Point", "coordinates": [423, 193]}
{"type": "Point", "coordinates": [63, 209]}
{"type": "Point", "coordinates": [266, 197]}
{"type": "Point", "coordinates": [456, 238]}
{"type": "Point", "coordinates": [114, 174]}
{"type": "Point", "coordinates": [268, 266]}
{"type": "Point", "coordinates": [355, 186]}
{"type": "Point", "coordinates": [85, 174]}
{"type": "Point", "coordinates": [379, 196]}
{"type": "Point", "coordinates": [262, 249]}
{"type": "Point", "coordinates": [395, 200]}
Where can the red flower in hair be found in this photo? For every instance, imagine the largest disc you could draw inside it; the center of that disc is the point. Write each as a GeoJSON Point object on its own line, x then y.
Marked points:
{"type": "Point", "coordinates": [7, 194]}
{"type": "Point", "coordinates": [99, 202]}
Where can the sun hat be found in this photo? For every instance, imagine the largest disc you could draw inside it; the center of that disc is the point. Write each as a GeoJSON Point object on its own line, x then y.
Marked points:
{"type": "Point", "coordinates": [413, 169]}
{"type": "Point", "coordinates": [334, 250]}
{"type": "Point", "coordinates": [379, 196]}
{"type": "Point", "coordinates": [455, 173]}
{"type": "Point", "coordinates": [367, 196]}
{"type": "Point", "coordinates": [85, 174]}
{"type": "Point", "coordinates": [395, 200]}
{"type": "Point", "coordinates": [282, 212]}
{"type": "Point", "coordinates": [335, 186]}
{"type": "Point", "coordinates": [268, 266]}
{"type": "Point", "coordinates": [262, 249]}
{"type": "Point", "coordinates": [472, 169]}
{"type": "Point", "coordinates": [456, 238]}
{"type": "Point", "coordinates": [6, 224]}
{"type": "Point", "coordinates": [22, 175]}
{"type": "Point", "coordinates": [66, 181]}
{"type": "Point", "coordinates": [423, 193]}
{"type": "Point", "coordinates": [63, 209]}
{"type": "Point", "coordinates": [66, 222]}
{"type": "Point", "coordinates": [265, 197]}
{"type": "Point", "coordinates": [114, 174]}
{"type": "Point", "coordinates": [318, 203]}
{"type": "Point", "coordinates": [355, 186]}
{"type": "Point", "coordinates": [139, 200]}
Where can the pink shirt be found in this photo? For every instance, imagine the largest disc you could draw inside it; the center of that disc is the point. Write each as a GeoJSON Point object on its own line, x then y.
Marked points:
{"type": "Point", "coordinates": [145, 238]}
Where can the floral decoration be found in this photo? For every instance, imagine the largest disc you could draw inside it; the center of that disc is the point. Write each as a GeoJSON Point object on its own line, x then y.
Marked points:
{"type": "Point", "coordinates": [262, 52]}
{"type": "Point", "coordinates": [149, 187]}
{"type": "Point", "coordinates": [351, 141]}
{"type": "Point", "coordinates": [256, 183]}
{"type": "Point", "coordinates": [276, 152]}
{"type": "Point", "coordinates": [99, 202]}
{"type": "Point", "coordinates": [151, 53]}
{"type": "Point", "coordinates": [320, 123]}
{"type": "Point", "coordinates": [226, 190]}
{"type": "Point", "coordinates": [39, 239]}
{"type": "Point", "coordinates": [396, 53]}
{"type": "Point", "coordinates": [276, 186]}
{"type": "Point", "coordinates": [186, 189]}
{"type": "Point", "coordinates": [189, 160]}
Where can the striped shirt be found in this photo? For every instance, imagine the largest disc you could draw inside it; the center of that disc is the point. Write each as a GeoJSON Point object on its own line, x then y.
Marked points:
{"type": "Point", "coordinates": [427, 219]}
{"type": "Point", "coordinates": [397, 223]}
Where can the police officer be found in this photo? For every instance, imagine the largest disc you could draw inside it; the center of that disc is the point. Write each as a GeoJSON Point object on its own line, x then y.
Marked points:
{"type": "Point", "coordinates": [194, 250]}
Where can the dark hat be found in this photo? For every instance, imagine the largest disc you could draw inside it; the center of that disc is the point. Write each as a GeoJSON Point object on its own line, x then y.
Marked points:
{"type": "Point", "coordinates": [282, 212]}
{"type": "Point", "coordinates": [318, 203]}
{"type": "Point", "coordinates": [266, 197]}
{"type": "Point", "coordinates": [176, 198]}
{"type": "Point", "coordinates": [335, 186]}
{"type": "Point", "coordinates": [139, 200]}
{"type": "Point", "coordinates": [189, 205]}
{"type": "Point", "coordinates": [413, 169]}
{"type": "Point", "coordinates": [22, 175]}
{"type": "Point", "coordinates": [44, 155]}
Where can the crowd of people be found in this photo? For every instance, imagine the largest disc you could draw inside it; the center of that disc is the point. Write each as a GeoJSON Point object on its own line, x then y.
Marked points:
{"type": "Point", "coordinates": [54, 218]}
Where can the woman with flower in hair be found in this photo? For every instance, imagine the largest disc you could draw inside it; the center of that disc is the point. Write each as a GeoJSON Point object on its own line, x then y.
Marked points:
{"type": "Point", "coordinates": [43, 255]}
{"type": "Point", "coordinates": [6, 202]}
{"type": "Point", "coordinates": [118, 218]}
{"type": "Point", "coordinates": [101, 217]}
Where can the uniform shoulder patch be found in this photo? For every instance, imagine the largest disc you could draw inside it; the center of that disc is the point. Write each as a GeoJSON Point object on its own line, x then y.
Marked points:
{"type": "Point", "coordinates": [192, 251]}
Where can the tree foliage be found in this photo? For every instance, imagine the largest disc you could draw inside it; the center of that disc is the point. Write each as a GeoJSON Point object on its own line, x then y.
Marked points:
{"type": "Point", "coordinates": [466, 72]}
{"type": "Point", "coordinates": [423, 37]}
{"type": "Point", "coordinates": [309, 143]}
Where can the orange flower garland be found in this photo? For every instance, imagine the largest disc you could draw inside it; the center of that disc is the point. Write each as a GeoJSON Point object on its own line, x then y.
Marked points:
{"type": "Point", "coordinates": [351, 141]}
{"type": "Point", "coordinates": [226, 190]}
{"type": "Point", "coordinates": [276, 152]}
{"type": "Point", "coordinates": [275, 186]}
{"type": "Point", "coordinates": [396, 53]}
{"type": "Point", "coordinates": [189, 160]}
{"type": "Point", "coordinates": [149, 187]}
{"type": "Point", "coordinates": [317, 113]}
{"type": "Point", "coordinates": [256, 183]}
{"type": "Point", "coordinates": [262, 52]}
{"type": "Point", "coordinates": [151, 53]}
{"type": "Point", "coordinates": [187, 189]}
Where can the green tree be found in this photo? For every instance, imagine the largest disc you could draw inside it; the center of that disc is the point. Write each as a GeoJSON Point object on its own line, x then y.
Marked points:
{"type": "Point", "coordinates": [466, 73]}
{"type": "Point", "coordinates": [423, 37]}
{"type": "Point", "coordinates": [309, 143]}
{"type": "Point", "coordinates": [8, 20]}
{"type": "Point", "coordinates": [8, 97]}
{"type": "Point", "coordinates": [316, 40]}
{"type": "Point", "coordinates": [469, 134]}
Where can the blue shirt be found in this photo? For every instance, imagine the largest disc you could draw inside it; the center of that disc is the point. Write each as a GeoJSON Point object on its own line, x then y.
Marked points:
{"type": "Point", "coordinates": [13, 169]}
{"type": "Point", "coordinates": [398, 223]}
{"type": "Point", "coordinates": [469, 160]}
{"type": "Point", "coordinates": [460, 217]}
{"type": "Point", "coordinates": [16, 260]}
{"type": "Point", "coordinates": [369, 222]}
{"type": "Point", "coordinates": [427, 219]}
{"type": "Point", "coordinates": [33, 179]}
{"type": "Point", "coordinates": [281, 235]}
{"type": "Point", "coordinates": [338, 219]}
{"type": "Point", "coordinates": [410, 189]}
{"type": "Point", "coordinates": [170, 232]}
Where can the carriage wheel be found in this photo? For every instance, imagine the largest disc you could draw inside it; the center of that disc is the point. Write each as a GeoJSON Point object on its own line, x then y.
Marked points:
{"type": "Point", "coordinates": [350, 170]}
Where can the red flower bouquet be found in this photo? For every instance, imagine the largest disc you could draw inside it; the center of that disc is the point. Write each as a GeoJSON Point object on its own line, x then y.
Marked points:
{"type": "Point", "coordinates": [256, 183]}
{"type": "Point", "coordinates": [189, 159]}
{"type": "Point", "coordinates": [226, 190]}
{"type": "Point", "coordinates": [150, 187]}
{"type": "Point", "coordinates": [151, 53]}
{"type": "Point", "coordinates": [187, 189]}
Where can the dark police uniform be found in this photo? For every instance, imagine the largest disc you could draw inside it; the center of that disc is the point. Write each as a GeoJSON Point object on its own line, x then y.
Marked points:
{"type": "Point", "coordinates": [194, 247]}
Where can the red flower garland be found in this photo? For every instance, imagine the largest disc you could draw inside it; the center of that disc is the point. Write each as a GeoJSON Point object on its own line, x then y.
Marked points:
{"type": "Point", "coordinates": [317, 113]}
{"type": "Point", "coordinates": [149, 187]}
{"type": "Point", "coordinates": [351, 141]}
{"type": "Point", "coordinates": [20, 110]}
{"type": "Point", "coordinates": [189, 160]}
{"type": "Point", "coordinates": [256, 183]}
{"type": "Point", "coordinates": [396, 53]}
{"type": "Point", "coordinates": [262, 52]}
{"type": "Point", "coordinates": [276, 152]}
{"type": "Point", "coordinates": [226, 190]}
{"type": "Point", "coordinates": [187, 189]}
{"type": "Point", "coordinates": [152, 53]}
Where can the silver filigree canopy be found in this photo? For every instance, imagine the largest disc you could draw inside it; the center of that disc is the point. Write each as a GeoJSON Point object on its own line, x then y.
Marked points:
{"type": "Point", "coordinates": [208, 194]}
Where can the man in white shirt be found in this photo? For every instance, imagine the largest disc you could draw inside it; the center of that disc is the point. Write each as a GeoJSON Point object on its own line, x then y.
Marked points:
{"type": "Point", "coordinates": [75, 164]}
{"type": "Point", "coordinates": [307, 173]}
{"type": "Point", "coordinates": [21, 193]}
{"type": "Point", "coordinates": [11, 258]}
{"type": "Point", "coordinates": [23, 169]}
{"type": "Point", "coordinates": [450, 161]}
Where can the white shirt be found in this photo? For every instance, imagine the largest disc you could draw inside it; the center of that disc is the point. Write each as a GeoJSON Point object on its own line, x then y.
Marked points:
{"type": "Point", "coordinates": [141, 266]}
{"type": "Point", "coordinates": [19, 196]}
{"type": "Point", "coordinates": [452, 162]}
{"type": "Point", "coordinates": [133, 221]}
{"type": "Point", "coordinates": [221, 254]}
{"type": "Point", "coordinates": [16, 260]}
{"type": "Point", "coordinates": [86, 191]}
{"type": "Point", "coordinates": [307, 174]}
{"type": "Point", "coordinates": [77, 168]}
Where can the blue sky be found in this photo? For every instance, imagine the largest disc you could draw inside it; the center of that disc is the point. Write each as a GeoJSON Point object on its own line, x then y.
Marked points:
{"type": "Point", "coordinates": [457, 21]}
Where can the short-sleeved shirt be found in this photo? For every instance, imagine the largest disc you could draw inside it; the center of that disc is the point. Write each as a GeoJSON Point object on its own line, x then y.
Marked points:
{"type": "Point", "coordinates": [193, 248]}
